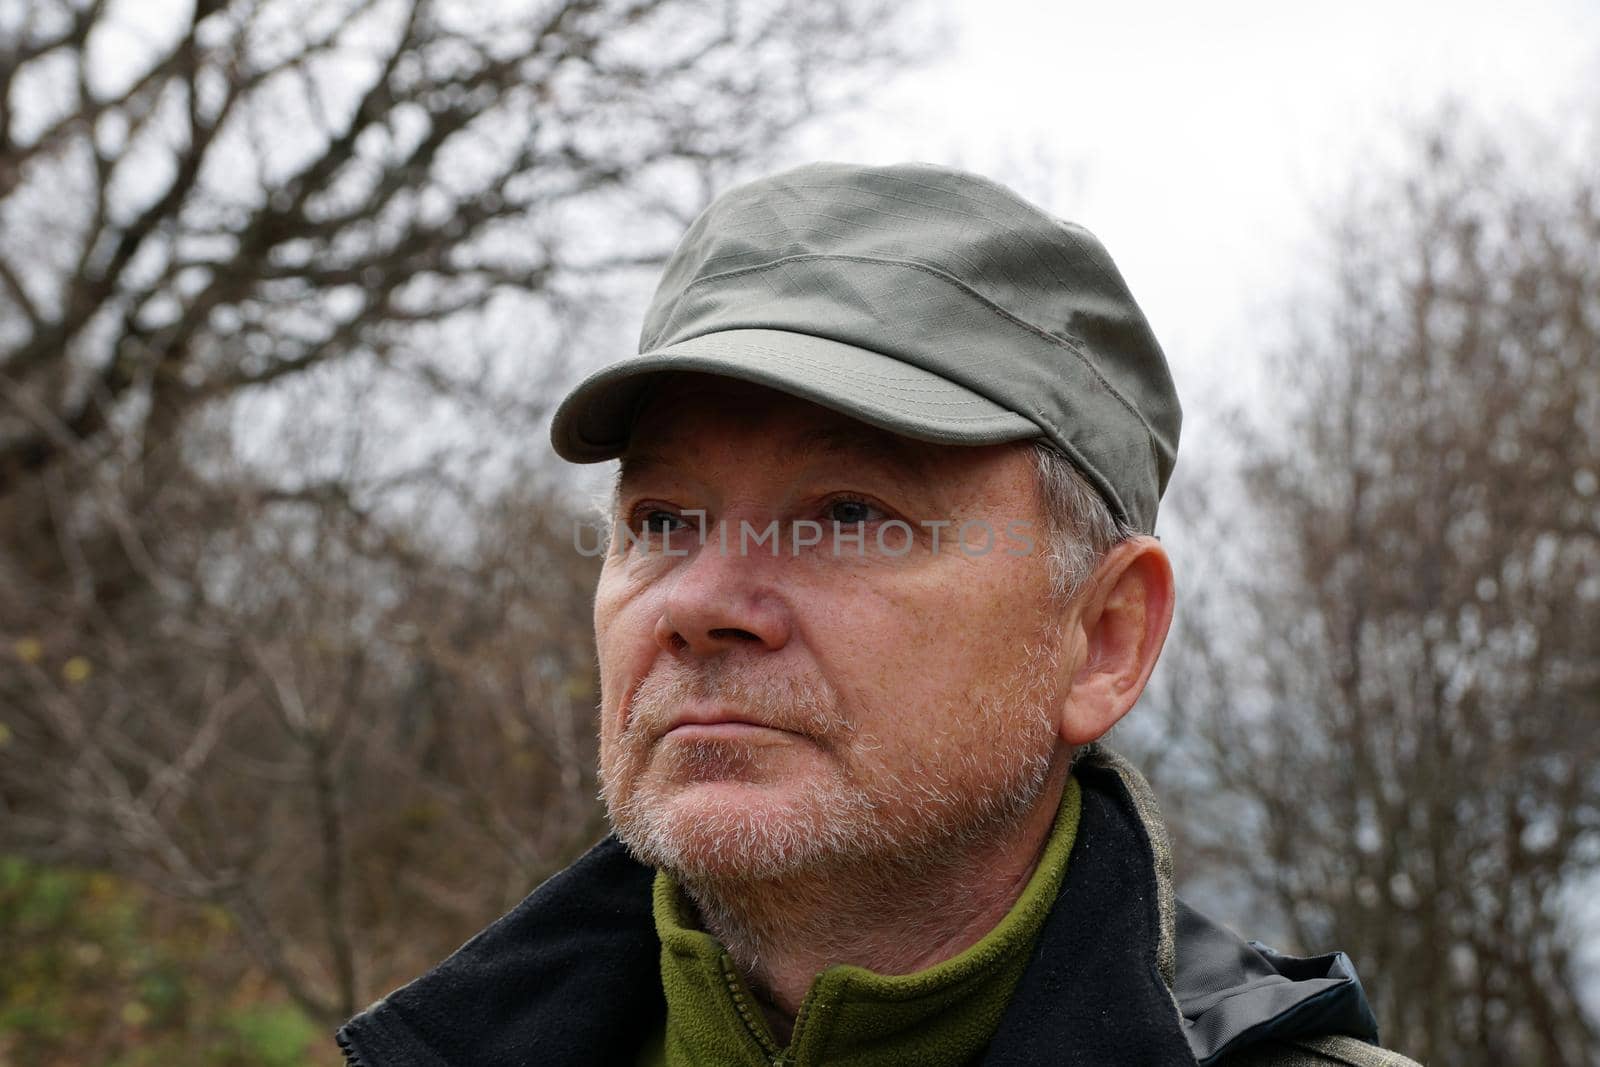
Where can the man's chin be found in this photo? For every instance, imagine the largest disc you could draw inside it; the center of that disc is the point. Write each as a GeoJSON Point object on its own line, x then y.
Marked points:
{"type": "Point", "coordinates": [729, 830]}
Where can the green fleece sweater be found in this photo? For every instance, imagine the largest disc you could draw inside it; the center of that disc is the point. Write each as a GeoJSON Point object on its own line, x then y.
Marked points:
{"type": "Point", "coordinates": [851, 1017]}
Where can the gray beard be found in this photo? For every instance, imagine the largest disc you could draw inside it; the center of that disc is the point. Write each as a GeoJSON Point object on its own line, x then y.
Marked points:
{"type": "Point", "coordinates": [915, 889]}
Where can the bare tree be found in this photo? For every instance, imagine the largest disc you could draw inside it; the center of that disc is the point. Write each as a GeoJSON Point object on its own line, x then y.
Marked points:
{"type": "Point", "coordinates": [290, 622]}
{"type": "Point", "coordinates": [1395, 726]}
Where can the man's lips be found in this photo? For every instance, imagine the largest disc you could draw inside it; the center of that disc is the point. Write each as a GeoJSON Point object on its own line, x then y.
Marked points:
{"type": "Point", "coordinates": [723, 730]}
{"type": "Point", "coordinates": [717, 723]}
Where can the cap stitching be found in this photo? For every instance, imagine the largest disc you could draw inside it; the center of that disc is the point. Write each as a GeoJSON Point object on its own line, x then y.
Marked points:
{"type": "Point", "coordinates": [1028, 211]}
{"type": "Point", "coordinates": [876, 196]}
{"type": "Point", "coordinates": [967, 187]}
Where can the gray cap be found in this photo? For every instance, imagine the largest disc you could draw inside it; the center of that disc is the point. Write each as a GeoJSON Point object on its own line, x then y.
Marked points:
{"type": "Point", "coordinates": [926, 301]}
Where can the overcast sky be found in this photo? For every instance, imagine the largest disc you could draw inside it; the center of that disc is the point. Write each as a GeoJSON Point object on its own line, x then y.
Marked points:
{"type": "Point", "coordinates": [1197, 139]}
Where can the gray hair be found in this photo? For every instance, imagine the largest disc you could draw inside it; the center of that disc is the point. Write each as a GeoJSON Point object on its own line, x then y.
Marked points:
{"type": "Point", "coordinates": [1079, 526]}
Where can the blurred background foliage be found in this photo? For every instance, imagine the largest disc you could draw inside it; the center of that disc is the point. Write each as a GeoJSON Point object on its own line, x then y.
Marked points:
{"type": "Point", "coordinates": [99, 970]}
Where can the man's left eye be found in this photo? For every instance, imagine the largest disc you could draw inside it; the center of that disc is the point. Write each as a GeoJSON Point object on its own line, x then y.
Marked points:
{"type": "Point", "coordinates": [852, 512]}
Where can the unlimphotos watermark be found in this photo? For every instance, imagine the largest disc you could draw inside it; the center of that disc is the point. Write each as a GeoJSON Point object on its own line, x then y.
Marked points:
{"type": "Point", "coordinates": [892, 537]}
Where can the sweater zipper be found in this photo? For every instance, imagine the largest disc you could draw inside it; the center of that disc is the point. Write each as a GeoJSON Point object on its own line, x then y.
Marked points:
{"type": "Point", "coordinates": [782, 1058]}
{"type": "Point", "coordinates": [736, 987]}
{"type": "Point", "coordinates": [777, 1057]}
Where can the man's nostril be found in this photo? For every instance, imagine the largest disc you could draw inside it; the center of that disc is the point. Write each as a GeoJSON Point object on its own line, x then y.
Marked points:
{"type": "Point", "coordinates": [730, 633]}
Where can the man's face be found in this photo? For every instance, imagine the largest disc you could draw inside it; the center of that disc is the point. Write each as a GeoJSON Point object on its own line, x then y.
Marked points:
{"type": "Point", "coordinates": [768, 709]}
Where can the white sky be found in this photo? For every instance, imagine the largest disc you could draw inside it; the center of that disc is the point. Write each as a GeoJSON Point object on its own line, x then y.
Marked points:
{"type": "Point", "coordinates": [1196, 140]}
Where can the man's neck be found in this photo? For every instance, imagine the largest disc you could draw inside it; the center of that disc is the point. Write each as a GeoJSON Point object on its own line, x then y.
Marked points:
{"type": "Point", "coordinates": [783, 933]}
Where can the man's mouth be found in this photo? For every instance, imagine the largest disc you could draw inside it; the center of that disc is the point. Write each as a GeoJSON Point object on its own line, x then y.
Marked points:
{"type": "Point", "coordinates": [726, 731]}
{"type": "Point", "coordinates": [718, 723]}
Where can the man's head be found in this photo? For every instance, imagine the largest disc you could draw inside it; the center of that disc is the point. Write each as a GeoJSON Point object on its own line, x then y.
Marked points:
{"type": "Point", "coordinates": [903, 698]}
{"type": "Point", "coordinates": [877, 568]}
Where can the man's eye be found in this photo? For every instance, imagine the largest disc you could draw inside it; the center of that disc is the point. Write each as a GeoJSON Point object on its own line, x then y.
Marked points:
{"type": "Point", "coordinates": [658, 520]}
{"type": "Point", "coordinates": [852, 512]}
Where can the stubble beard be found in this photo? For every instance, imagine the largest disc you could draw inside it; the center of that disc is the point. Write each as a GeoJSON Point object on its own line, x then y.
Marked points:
{"type": "Point", "coordinates": [847, 828]}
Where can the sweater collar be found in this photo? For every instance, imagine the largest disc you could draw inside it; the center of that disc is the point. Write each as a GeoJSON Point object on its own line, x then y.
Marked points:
{"type": "Point", "coordinates": [941, 1016]}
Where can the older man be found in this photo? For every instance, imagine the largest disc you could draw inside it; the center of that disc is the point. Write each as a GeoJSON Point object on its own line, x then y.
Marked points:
{"type": "Point", "coordinates": [881, 574]}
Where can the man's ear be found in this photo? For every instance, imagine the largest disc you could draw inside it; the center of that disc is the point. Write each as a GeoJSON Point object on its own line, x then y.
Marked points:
{"type": "Point", "coordinates": [1121, 623]}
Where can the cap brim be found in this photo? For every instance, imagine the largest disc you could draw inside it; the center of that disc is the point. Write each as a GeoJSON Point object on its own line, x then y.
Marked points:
{"type": "Point", "coordinates": [593, 422]}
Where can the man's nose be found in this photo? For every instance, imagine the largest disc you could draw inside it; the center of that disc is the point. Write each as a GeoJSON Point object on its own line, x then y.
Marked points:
{"type": "Point", "coordinates": [722, 600]}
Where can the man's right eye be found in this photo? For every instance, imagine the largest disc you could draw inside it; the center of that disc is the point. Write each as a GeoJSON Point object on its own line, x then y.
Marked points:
{"type": "Point", "coordinates": [658, 521]}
